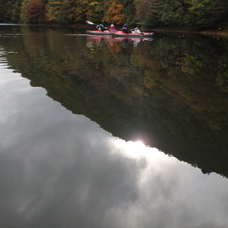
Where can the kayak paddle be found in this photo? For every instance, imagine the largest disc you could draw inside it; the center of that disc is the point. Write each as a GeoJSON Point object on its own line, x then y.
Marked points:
{"type": "Point", "coordinates": [90, 23]}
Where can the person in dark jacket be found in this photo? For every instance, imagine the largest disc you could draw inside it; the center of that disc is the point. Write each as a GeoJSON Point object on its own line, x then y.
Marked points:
{"type": "Point", "coordinates": [125, 29]}
{"type": "Point", "coordinates": [100, 27]}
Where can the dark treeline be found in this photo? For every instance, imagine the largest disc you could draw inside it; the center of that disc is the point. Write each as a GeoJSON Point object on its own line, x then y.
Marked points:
{"type": "Point", "coordinates": [200, 14]}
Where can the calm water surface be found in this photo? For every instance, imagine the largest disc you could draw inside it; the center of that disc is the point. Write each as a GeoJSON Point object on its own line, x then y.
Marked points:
{"type": "Point", "coordinates": [71, 106]}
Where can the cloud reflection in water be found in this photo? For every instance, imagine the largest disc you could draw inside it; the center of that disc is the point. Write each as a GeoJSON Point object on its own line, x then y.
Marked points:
{"type": "Point", "coordinates": [62, 170]}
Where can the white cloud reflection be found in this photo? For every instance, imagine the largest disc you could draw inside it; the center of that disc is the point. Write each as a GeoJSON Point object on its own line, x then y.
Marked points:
{"type": "Point", "coordinates": [62, 170]}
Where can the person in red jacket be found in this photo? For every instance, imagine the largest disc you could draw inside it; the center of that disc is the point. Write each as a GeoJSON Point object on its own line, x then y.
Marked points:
{"type": "Point", "coordinates": [112, 28]}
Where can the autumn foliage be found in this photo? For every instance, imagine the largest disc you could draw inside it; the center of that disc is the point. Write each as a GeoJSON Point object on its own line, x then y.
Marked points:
{"type": "Point", "coordinates": [115, 13]}
{"type": "Point", "coordinates": [201, 14]}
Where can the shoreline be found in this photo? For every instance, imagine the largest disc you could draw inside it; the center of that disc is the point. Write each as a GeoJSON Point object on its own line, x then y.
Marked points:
{"type": "Point", "coordinates": [169, 30]}
{"type": "Point", "coordinates": [203, 32]}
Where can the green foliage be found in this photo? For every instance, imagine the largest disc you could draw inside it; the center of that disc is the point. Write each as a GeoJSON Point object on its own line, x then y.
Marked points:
{"type": "Point", "coordinates": [10, 10]}
{"type": "Point", "coordinates": [169, 12]}
{"type": "Point", "coordinates": [59, 11]}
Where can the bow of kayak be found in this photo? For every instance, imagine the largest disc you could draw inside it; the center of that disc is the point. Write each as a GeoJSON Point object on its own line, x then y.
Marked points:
{"type": "Point", "coordinates": [133, 34]}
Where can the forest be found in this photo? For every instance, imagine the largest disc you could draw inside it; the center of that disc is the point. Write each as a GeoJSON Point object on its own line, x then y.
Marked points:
{"type": "Point", "coordinates": [192, 14]}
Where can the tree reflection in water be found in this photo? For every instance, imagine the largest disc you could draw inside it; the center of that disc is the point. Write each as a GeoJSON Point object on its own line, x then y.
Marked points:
{"type": "Point", "coordinates": [172, 91]}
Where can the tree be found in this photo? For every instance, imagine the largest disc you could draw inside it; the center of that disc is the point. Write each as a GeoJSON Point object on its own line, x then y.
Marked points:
{"type": "Point", "coordinates": [144, 11]}
{"type": "Point", "coordinates": [172, 12]}
{"type": "Point", "coordinates": [66, 11]}
{"type": "Point", "coordinates": [115, 14]}
{"type": "Point", "coordinates": [199, 13]}
{"type": "Point", "coordinates": [219, 12]}
{"type": "Point", "coordinates": [33, 11]}
{"type": "Point", "coordinates": [16, 11]}
{"type": "Point", "coordinates": [8, 10]}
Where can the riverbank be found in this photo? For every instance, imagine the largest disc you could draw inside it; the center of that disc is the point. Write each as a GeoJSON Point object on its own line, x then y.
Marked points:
{"type": "Point", "coordinates": [204, 32]}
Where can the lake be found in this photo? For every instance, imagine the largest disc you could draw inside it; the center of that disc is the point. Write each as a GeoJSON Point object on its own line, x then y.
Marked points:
{"type": "Point", "coordinates": [112, 132]}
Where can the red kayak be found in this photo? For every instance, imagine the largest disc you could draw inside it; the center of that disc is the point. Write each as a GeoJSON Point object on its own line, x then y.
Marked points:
{"type": "Point", "coordinates": [133, 34]}
{"type": "Point", "coordinates": [99, 32]}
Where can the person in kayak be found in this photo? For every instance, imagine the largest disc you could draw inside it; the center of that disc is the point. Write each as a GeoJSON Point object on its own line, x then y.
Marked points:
{"type": "Point", "coordinates": [125, 29]}
{"type": "Point", "coordinates": [112, 28]}
{"type": "Point", "coordinates": [100, 27]}
{"type": "Point", "coordinates": [136, 30]}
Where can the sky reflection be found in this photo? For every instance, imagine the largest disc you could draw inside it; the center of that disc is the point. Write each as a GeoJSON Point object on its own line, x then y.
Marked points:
{"type": "Point", "coordinates": [62, 170]}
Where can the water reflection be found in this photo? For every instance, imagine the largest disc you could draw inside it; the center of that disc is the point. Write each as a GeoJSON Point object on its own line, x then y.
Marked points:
{"type": "Point", "coordinates": [171, 93]}
{"type": "Point", "coordinates": [62, 170]}
{"type": "Point", "coordinates": [123, 41]}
